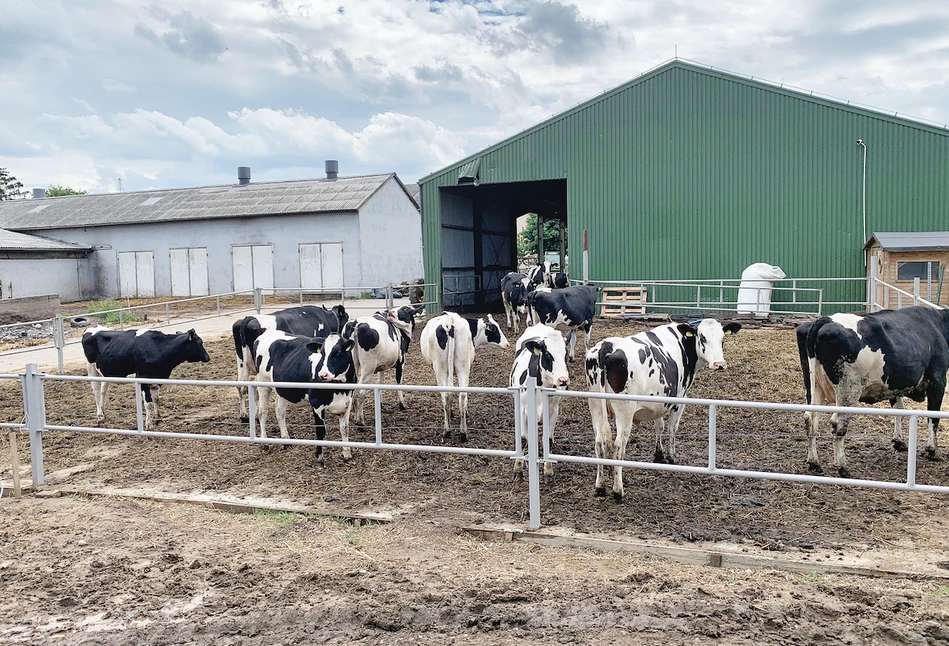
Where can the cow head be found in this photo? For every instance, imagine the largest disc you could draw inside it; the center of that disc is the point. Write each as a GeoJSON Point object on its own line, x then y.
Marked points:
{"type": "Point", "coordinates": [403, 318]}
{"type": "Point", "coordinates": [194, 348]}
{"type": "Point", "coordinates": [336, 358]}
{"type": "Point", "coordinates": [551, 351]}
{"type": "Point", "coordinates": [709, 336]}
{"type": "Point", "coordinates": [489, 332]}
{"type": "Point", "coordinates": [559, 280]}
{"type": "Point", "coordinates": [341, 315]}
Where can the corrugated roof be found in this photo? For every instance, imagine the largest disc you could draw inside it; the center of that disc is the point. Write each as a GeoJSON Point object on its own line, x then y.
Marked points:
{"type": "Point", "coordinates": [201, 203]}
{"type": "Point", "coordinates": [414, 192]}
{"type": "Point", "coordinates": [13, 241]}
{"type": "Point", "coordinates": [910, 240]}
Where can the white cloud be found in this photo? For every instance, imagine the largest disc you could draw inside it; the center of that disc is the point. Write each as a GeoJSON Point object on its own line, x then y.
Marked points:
{"type": "Point", "coordinates": [111, 85]}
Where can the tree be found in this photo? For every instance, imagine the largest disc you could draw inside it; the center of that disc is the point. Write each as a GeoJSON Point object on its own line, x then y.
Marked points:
{"type": "Point", "coordinates": [58, 191]}
{"type": "Point", "coordinates": [527, 239]}
{"type": "Point", "coordinates": [10, 187]}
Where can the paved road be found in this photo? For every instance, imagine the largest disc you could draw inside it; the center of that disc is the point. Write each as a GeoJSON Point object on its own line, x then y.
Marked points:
{"type": "Point", "coordinates": [210, 328]}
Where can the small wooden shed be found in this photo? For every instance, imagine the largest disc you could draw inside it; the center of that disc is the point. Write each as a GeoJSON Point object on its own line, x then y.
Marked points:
{"type": "Point", "coordinates": [902, 256]}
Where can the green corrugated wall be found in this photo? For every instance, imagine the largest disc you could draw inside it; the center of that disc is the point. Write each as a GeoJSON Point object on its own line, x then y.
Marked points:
{"type": "Point", "coordinates": [689, 173]}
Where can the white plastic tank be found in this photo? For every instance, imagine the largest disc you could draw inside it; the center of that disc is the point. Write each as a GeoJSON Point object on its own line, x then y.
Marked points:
{"type": "Point", "coordinates": [754, 292]}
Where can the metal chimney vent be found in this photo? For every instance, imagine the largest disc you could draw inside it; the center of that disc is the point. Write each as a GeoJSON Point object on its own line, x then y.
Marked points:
{"type": "Point", "coordinates": [243, 175]}
{"type": "Point", "coordinates": [39, 193]}
{"type": "Point", "coordinates": [332, 169]}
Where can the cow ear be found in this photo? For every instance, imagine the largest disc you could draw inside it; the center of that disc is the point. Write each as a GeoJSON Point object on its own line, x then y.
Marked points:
{"type": "Point", "coordinates": [349, 345]}
{"type": "Point", "coordinates": [731, 328]}
{"type": "Point", "coordinates": [316, 344]}
{"type": "Point", "coordinates": [686, 330]}
{"type": "Point", "coordinates": [191, 335]}
{"type": "Point", "coordinates": [535, 345]}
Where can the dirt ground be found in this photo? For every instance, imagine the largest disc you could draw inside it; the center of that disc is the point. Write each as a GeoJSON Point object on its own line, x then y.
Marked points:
{"type": "Point", "coordinates": [111, 571]}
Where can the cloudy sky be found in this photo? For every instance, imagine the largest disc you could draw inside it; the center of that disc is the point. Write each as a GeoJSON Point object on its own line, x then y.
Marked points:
{"type": "Point", "coordinates": [181, 92]}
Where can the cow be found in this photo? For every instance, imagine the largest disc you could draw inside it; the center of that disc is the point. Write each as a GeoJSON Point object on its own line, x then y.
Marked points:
{"type": "Point", "coordinates": [882, 356]}
{"type": "Point", "coordinates": [539, 274]}
{"type": "Point", "coordinates": [307, 320]}
{"type": "Point", "coordinates": [296, 358]}
{"type": "Point", "coordinates": [558, 280]}
{"type": "Point", "coordinates": [144, 353]}
{"type": "Point", "coordinates": [571, 307]}
{"type": "Point", "coordinates": [661, 362]}
{"type": "Point", "coordinates": [541, 353]}
{"type": "Point", "coordinates": [514, 290]}
{"type": "Point", "coordinates": [382, 340]}
{"type": "Point", "coordinates": [448, 344]}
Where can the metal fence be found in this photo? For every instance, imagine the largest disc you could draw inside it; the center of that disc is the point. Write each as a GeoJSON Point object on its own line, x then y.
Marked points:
{"type": "Point", "coordinates": [883, 296]}
{"type": "Point", "coordinates": [538, 443]}
{"type": "Point", "coordinates": [131, 315]}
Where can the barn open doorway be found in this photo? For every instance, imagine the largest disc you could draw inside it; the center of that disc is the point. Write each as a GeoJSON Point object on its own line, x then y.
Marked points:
{"type": "Point", "coordinates": [479, 235]}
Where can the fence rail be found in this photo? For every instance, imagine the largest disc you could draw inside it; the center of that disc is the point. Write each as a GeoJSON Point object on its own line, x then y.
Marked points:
{"type": "Point", "coordinates": [538, 430]}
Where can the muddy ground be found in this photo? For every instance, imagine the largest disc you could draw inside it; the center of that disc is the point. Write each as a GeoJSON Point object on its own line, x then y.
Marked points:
{"type": "Point", "coordinates": [763, 365]}
{"type": "Point", "coordinates": [113, 571]}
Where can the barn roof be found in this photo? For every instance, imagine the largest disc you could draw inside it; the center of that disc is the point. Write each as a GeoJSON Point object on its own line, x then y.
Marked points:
{"type": "Point", "coordinates": [910, 240]}
{"type": "Point", "coordinates": [200, 203]}
{"type": "Point", "coordinates": [13, 241]}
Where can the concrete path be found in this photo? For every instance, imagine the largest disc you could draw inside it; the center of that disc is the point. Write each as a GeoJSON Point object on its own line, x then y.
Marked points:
{"type": "Point", "coordinates": [45, 356]}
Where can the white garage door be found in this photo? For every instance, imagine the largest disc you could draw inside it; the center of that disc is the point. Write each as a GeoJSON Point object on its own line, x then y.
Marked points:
{"type": "Point", "coordinates": [321, 265]}
{"type": "Point", "coordinates": [136, 274]}
{"type": "Point", "coordinates": [253, 267]}
{"type": "Point", "coordinates": [189, 272]}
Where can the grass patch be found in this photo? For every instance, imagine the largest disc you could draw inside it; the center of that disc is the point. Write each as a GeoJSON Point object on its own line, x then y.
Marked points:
{"type": "Point", "coordinates": [111, 318]}
{"type": "Point", "coordinates": [281, 519]}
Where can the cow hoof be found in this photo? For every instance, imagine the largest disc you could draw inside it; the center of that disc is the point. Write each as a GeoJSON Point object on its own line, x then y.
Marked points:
{"type": "Point", "coordinates": [843, 472]}
{"type": "Point", "coordinates": [347, 460]}
{"type": "Point", "coordinates": [659, 457]}
{"type": "Point", "coordinates": [931, 456]}
{"type": "Point", "coordinates": [518, 477]}
{"type": "Point", "coordinates": [462, 437]}
{"type": "Point", "coordinates": [617, 496]}
{"type": "Point", "coordinates": [402, 406]}
{"type": "Point", "coordinates": [600, 492]}
{"type": "Point", "coordinates": [814, 467]}
{"type": "Point", "coordinates": [245, 419]}
{"type": "Point", "coordinates": [900, 446]}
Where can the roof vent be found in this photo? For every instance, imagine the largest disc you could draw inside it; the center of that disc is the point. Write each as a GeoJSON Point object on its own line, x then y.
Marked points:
{"type": "Point", "coordinates": [39, 193]}
{"type": "Point", "coordinates": [243, 175]}
{"type": "Point", "coordinates": [332, 168]}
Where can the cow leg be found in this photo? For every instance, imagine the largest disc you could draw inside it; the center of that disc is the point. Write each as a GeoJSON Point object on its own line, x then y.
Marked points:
{"type": "Point", "coordinates": [898, 443]}
{"type": "Point", "coordinates": [280, 409]}
{"type": "Point", "coordinates": [623, 414]}
{"type": "Point", "coordinates": [507, 312]}
{"type": "Point", "coordinates": [659, 455]}
{"type": "Point", "coordinates": [673, 427]}
{"type": "Point", "coordinates": [155, 392]}
{"type": "Point", "coordinates": [359, 397]}
{"type": "Point", "coordinates": [97, 391]}
{"type": "Point", "coordinates": [147, 398]}
{"type": "Point", "coordinates": [263, 409]}
{"type": "Point", "coordinates": [848, 393]}
{"type": "Point", "coordinates": [241, 397]}
{"type": "Point", "coordinates": [399, 367]}
{"type": "Point", "coordinates": [319, 425]}
{"type": "Point", "coordinates": [441, 379]}
{"type": "Point", "coordinates": [554, 407]}
{"type": "Point", "coordinates": [519, 463]}
{"type": "Point", "coordinates": [572, 342]}
{"type": "Point", "coordinates": [462, 373]}
{"type": "Point", "coordinates": [603, 433]}
{"type": "Point", "coordinates": [812, 424]}
{"type": "Point", "coordinates": [344, 429]}
{"type": "Point", "coordinates": [587, 334]}
{"type": "Point", "coordinates": [934, 397]}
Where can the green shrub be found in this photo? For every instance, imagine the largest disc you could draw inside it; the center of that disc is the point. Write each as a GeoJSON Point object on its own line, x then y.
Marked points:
{"type": "Point", "coordinates": [111, 318]}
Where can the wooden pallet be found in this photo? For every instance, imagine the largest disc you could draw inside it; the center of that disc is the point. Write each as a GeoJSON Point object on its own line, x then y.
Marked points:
{"type": "Point", "coordinates": [622, 301]}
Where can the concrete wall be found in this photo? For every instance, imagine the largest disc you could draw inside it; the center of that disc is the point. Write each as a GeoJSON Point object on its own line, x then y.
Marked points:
{"type": "Point", "coordinates": [390, 230]}
{"type": "Point", "coordinates": [30, 308]}
{"type": "Point", "coordinates": [71, 278]}
{"type": "Point", "coordinates": [285, 233]}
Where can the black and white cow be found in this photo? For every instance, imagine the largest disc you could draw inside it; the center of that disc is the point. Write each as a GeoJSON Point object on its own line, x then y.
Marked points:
{"type": "Point", "coordinates": [448, 343]}
{"type": "Point", "coordinates": [296, 358]}
{"type": "Point", "coordinates": [883, 356]}
{"type": "Point", "coordinates": [514, 290]}
{"type": "Point", "coordinates": [144, 353]}
{"type": "Point", "coordinates": [539, 274]}
{"type": "Point", "coordinates": [381, 343]}
{"type": "Point", "coordinates": [571, 307]}
{"type": "Point", "coordinates": [541, 353]}
{"type": "Point", "coordinates": [558, 280]}
{"type": "Point", "coordinates": [306, 320]}
{"type": "Point", "coordinates": [661, 362]}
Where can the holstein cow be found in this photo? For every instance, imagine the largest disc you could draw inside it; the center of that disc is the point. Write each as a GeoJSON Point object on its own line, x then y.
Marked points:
{"type": "Point", "coordinates": [448, 343]}
{"type": "Point", "coordinates": [558, 280]}
{"type": "Point", "coordinates": [295, 358]}
{"type": "Point", "coordinates": [306, 320]}
{"type": "Point", "coordinates": [883, 356]}
{"type": "Point", "coordinates": [539, 274]}
{"type": "Point", "coordinates": [571, 307]}
{"type": "Point", "coordinates": [381, 343]}
{"type": "Point", "coordinates": [514, 290]}
{"type": "Point", "coordinates": [540, 353]}
{"type": "Point", "coordinates": [144, 353]}
{"type": "Point", "coordinates": [661, 362]}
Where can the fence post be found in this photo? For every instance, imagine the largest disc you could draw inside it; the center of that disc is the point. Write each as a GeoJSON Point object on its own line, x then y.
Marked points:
{"type": "Point", "coordinates": [35, 409]}
{"type": "Point", "coordinates": [916, 291]}
{"type": "Point", "coordinates": [377, 412]}
{"type": "Point", "coordinates": [390, 303]}
{"type": "Point", "coordinates": [258, 298]}
{"type": "Point", "coordinates": [533, 474]}
{"type": "Point", "coordinates": [911, 450]}
{"type": "Point", "coordinates": [167, 313]}
{"type": "Point", "coordinates": [59, 339]}
{"type": "Point", "coordinates": [712, 441]}
{"type": "Point", "coordinates": [872, 288]}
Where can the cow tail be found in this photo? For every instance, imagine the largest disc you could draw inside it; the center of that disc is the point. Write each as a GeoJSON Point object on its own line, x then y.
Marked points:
{"type": "Point", "coordinates": [450, 351]}
{"type": "Point", "coordinates": [801, 332]}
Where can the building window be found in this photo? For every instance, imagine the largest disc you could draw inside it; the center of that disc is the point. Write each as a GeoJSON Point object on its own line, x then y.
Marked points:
{"type": "Point", "coordinates": [920, 269]}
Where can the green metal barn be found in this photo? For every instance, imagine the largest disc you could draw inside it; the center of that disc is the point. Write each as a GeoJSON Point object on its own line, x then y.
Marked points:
{"type": "Point", "coordinates": [687, 172]}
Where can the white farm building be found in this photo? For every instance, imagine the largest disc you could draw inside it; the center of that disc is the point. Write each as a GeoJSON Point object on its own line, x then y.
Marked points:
{"type": "Point", "coordinates": [353, 232]}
